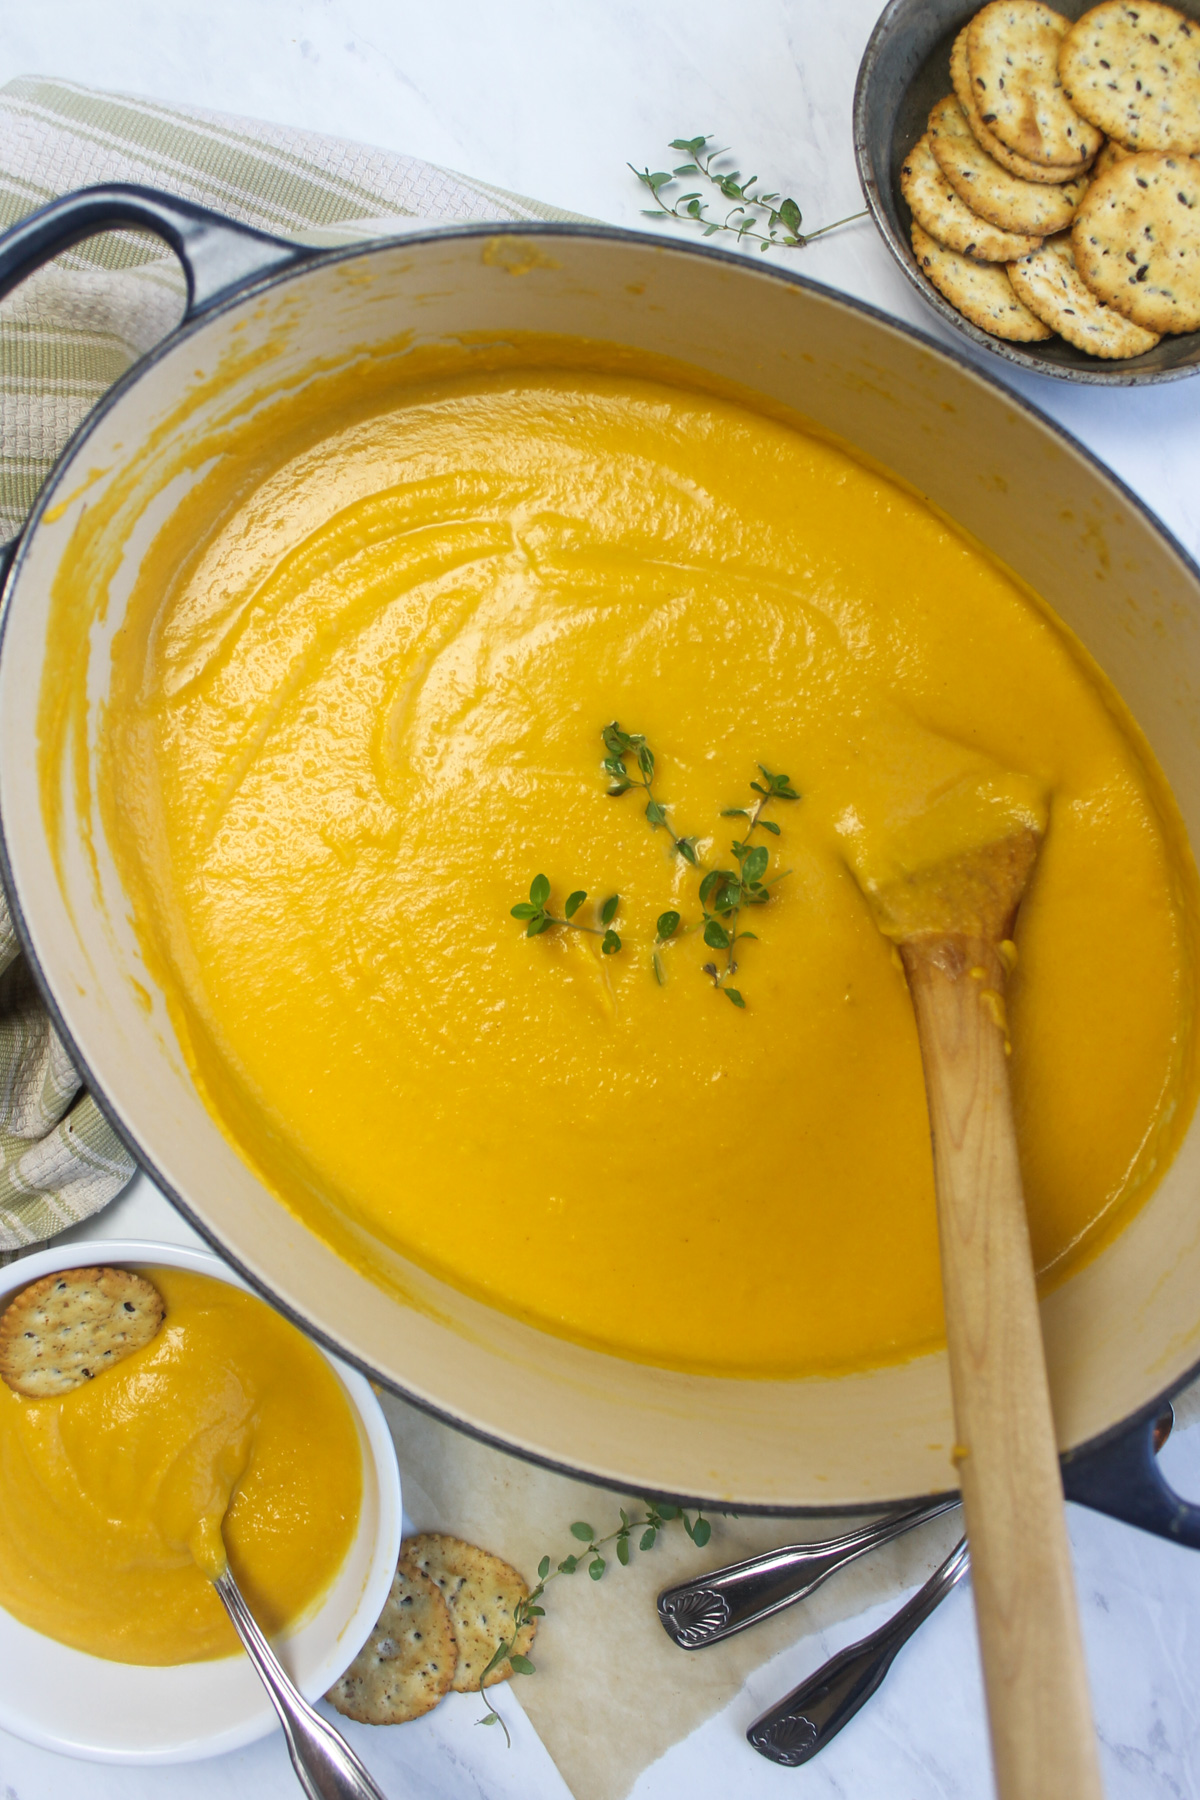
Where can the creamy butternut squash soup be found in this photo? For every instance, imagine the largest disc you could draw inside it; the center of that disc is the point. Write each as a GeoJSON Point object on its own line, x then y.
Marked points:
{"type": "Point", "coordinates": [380, 688]}
{"type": "Point", "coordinates": [228, 1433]}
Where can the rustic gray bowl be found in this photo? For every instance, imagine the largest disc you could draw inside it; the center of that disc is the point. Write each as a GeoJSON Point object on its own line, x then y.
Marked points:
{"type": "Point", "coordinates": [904, 72]}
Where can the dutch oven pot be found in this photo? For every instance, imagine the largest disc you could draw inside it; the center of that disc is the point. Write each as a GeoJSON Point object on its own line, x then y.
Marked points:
{"type": "Point", "coordinates": [1120, 1334]}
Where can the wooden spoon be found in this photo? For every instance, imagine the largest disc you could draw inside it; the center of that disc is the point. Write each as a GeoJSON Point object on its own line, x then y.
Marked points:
{"type": "Point", "coordinates": [951, 922]}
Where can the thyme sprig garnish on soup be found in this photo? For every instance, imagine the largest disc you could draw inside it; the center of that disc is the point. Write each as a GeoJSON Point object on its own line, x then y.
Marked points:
{"type": "Point", "coordinates": [723, 892]}
{"type": "Point", "coordinates": [621, 744]}
{"type": "Point", "coordinates": [538, 918]}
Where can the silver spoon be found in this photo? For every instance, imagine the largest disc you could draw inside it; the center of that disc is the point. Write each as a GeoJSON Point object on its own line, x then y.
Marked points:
{"type": "Point", "coordinates": [708, 1608]}
{"type": "Point", "coordinates": [326, 1765]}
{"type": "Point", "coordinates": [711, 1607]}
{"type": "Point", "coordinates": [800, 1725]}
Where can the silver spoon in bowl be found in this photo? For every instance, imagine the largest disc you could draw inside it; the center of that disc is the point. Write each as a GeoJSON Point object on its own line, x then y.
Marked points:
{"type": "Point", "coordinates": [326, 1766]}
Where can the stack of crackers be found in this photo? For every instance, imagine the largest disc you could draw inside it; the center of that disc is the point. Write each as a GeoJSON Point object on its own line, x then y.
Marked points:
{"type": "Point", "coordinates": [451, 1609]}
{"type": "Point", "coordinates": [1057, 189]}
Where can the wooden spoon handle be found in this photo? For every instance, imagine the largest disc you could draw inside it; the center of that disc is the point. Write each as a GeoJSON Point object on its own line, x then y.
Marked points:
{"type": "Point", "coordinates": [1039, 1711]}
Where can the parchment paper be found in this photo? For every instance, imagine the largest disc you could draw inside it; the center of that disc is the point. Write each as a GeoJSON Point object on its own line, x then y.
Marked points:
{"type": "Point", "coordinates": [611, 1692]}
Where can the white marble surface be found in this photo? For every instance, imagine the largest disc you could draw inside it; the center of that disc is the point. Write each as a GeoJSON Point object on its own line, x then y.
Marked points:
{"type": "Point", "coordinates": [551, 97]}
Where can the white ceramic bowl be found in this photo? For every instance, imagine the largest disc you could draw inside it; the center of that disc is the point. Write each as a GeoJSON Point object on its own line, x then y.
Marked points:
{"type": "Point", "coordinates": [116, 1712]}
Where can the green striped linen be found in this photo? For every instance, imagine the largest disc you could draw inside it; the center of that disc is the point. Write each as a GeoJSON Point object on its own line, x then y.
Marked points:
{"type": "Point", "coordinates": [65, 336]}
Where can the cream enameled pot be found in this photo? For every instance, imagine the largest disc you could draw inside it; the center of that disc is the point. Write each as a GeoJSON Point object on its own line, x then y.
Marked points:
{"type": "Point", "coordinates": [1119, 1334]}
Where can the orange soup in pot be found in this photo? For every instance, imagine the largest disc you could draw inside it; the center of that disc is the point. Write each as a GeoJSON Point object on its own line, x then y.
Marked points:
{"type": "Point", "coordinates": [503, 638]}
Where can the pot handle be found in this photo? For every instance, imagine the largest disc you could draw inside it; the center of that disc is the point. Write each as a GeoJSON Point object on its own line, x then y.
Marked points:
{"type": "Point", "coordinates": [1122, 1478]}
{"type": "Point", "coordinates": [219, 256]}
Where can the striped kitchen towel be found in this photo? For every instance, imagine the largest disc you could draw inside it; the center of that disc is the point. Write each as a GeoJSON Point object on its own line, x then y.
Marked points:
{"type": "Point", "coordinates": [65, 336]}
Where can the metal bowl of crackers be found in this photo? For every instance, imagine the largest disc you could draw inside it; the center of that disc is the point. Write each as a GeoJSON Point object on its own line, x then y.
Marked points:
{"type": "Point", "coordinates": [1035, 172]}
{"type": "Point", "coordinates": [117, 1712]}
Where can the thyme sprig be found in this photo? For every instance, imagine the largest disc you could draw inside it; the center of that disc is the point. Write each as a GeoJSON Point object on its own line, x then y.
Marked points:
{"type": "Point", "coordinates": [621, 744]}
{"type": "Point", "coordinates": [772, 221]}
{"type": "Point", "coordinates": [641, 1533]}
{"type": "Point", "coordinates": [538, 918]}
{"type": "Point", "coordinates": [724, 892]}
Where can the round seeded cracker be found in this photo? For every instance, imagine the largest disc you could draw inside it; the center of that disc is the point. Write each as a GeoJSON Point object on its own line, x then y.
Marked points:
{"type": "Point", "coordinates": [982, 292]}
{"type": "Point", "coordinates": [407, 1664]}
{"type": "Point", "coordinates": [481, 1593]}
{"type": "Point", "coordinates": [1049, 284]}
{"type": "Point", "coordinates": [935, 205]}
{"type": "Point", "coordinates": [66, 1329]}
{"type": "Point", "coordinates": [960, 79]}
{"type": "Point", "coordinates": [1137, 240]}
{"type": "Point", "coordinates": [1134, 71]}
{"type": "Point", "coordinates": [1012, 55]}
{"type": "Point", "coordinates": [1033, 207]}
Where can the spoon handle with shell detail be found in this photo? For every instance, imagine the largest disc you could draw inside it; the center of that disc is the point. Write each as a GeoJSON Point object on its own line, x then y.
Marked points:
{"type": "Point", "coordinates": [709, 1608]}
{"type": "Point", "coordinates": [799, 1726]}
